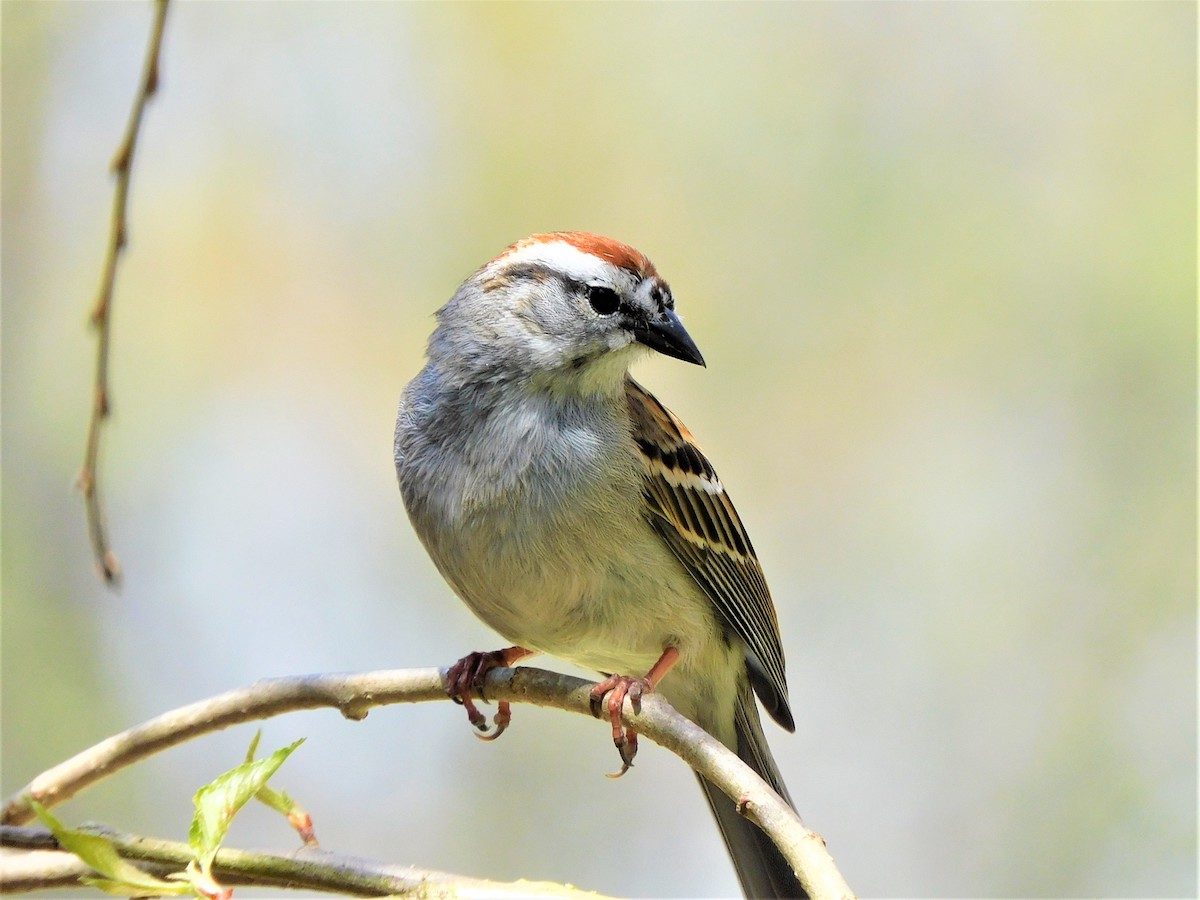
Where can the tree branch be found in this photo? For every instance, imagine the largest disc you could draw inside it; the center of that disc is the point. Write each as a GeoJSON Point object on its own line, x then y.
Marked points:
{"type": "Point", "coordinates": [36, 870]}
{"type": "Point", "coordinates": [355, 694]}
{"type": "Point", "coordinates": [42, 867]}
{"type": "Point", "coordinates": [101, 316]}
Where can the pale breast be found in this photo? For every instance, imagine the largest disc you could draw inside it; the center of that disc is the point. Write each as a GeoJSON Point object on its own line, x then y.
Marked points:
{"type": "Point", "coordinates": [540, 529]}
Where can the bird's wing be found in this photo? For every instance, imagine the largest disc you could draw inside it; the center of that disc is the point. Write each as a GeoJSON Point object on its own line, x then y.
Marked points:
{"type": "Point", "coordinates": [688, 507]}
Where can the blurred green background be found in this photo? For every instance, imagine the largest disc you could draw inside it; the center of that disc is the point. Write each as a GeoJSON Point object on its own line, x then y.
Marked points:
{"type": "Point", "coordinates": [940, 259]}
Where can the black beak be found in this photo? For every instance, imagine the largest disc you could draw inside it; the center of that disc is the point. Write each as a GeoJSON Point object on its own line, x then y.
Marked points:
{"type": "Point", "coordinates": [666, 334]}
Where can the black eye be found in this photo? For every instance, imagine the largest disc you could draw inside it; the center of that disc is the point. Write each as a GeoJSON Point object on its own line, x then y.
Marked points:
{"type": "Point", "coordinates": [604, 300]}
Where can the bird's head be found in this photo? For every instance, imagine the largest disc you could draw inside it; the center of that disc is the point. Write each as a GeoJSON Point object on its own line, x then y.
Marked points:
{"type": "Point", "coordinates": [567, 308]}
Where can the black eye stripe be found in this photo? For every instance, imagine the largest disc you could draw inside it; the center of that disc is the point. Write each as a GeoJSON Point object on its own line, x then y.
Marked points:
{"type": "Point", "coordinates": [603, 300]}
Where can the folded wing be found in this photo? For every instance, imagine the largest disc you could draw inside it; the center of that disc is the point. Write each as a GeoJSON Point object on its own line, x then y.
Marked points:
{"type": "Point", "coordinates": [688, 507]}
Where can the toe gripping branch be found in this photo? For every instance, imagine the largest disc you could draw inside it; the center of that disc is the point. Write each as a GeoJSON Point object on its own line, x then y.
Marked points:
{"type": "Point", "coordinates": [466, 677]}
{"type": "Point", "coordinates": [617, 688]}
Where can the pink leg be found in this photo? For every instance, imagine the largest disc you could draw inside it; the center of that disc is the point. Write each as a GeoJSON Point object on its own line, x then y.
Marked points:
{"type": "Point", "coordinates": [617, 688]}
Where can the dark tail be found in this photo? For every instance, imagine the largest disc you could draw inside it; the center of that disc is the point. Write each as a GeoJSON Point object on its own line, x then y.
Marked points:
{"type": "Point", "coordinates": [761, 868]}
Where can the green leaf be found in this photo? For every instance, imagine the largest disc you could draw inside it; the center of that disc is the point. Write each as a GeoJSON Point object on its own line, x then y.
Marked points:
{"type": "Point", "coordinates": [221, 799]}
{"type": "Point", "coordinates": [281, 802]}
{"type": "Point", "coordinates": [277, 800]}
{"type": "Point", "coordinates": [134, 889]}
{"type": "Point", "coordinates": [253, 748]}
{"type": "Point", "coordinates": [97, 852]}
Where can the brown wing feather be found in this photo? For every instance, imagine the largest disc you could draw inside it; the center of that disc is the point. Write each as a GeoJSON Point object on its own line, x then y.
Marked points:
{"type": "Point", "coordinates": [688, 507]}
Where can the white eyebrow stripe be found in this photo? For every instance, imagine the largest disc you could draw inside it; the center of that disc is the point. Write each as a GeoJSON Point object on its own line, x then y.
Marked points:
{"type": "Point", "coordinates": [572, 262]}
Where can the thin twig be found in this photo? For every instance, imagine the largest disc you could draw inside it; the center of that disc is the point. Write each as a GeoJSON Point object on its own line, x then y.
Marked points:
{"type": "Point", "coordinates": [308, 869]}
{"type": "Point", "coordinates": [36, 870]}
{"type": "Point", "coordinates": [101, 315]}
{"type": "Point", "coordinates": [355, 694]}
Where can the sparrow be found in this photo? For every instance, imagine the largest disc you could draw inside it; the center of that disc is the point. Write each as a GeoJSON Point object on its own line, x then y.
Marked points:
{"type": "Point", "coordinates": [576, 515]}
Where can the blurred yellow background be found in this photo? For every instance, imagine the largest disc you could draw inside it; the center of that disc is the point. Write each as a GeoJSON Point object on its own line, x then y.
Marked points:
{"type": "Point", "coordinates": [940, 259]}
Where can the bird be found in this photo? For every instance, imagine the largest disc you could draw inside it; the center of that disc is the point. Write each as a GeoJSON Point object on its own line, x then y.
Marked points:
{"type": "Point", "coordinates": [576, 515]}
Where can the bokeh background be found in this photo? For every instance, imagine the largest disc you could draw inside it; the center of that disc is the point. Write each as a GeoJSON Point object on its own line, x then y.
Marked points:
{"type": "Point", "coordinates": [941, 261]}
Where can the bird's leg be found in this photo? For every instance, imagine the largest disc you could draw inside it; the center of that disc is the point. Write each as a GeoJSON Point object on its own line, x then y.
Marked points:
{"type": "Point", "coordinates": [466, 677]}
{"type": "Point", "coordinates": [618, 687]}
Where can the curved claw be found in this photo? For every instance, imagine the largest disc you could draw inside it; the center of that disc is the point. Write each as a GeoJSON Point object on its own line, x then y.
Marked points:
{"type": "Point", "coordinates": [627, 747]}
{"type": "Point", "coordinates": [486, 735]}
{"type": "Point", "coordinates": [466, 677]}
{"type": "Point", "coordinates": [477, 719]}
{"type": "Point", "coordinates": [502, 718]}
{"type": "Point", "coordinates": [609, 695]}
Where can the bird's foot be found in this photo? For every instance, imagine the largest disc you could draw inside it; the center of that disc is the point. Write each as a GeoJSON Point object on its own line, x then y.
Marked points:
{"type": "Point", "coordinates": [617, 688]}
{"type": "Point", "coordinates": [466, 677]}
